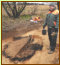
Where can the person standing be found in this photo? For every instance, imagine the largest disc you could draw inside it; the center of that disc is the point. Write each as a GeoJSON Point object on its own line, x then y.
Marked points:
{"type": "Point", "coordinates": [52, 21]}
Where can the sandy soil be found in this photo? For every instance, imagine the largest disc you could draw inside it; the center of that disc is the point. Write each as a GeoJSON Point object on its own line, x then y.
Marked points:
{"type": "Point", "coordinates": [40, 57]}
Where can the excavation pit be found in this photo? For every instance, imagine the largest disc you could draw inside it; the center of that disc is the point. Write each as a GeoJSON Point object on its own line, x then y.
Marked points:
{"type": "Point", "coordinates": [23, 48]}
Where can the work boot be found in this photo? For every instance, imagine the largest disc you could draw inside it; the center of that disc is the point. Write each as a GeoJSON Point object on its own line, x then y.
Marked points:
{"type": "Point", "coordinates": [50, 52]}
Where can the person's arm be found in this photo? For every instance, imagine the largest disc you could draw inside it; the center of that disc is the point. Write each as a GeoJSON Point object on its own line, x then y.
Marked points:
{"type": "Point", "coordinates": [57, 23]}
{"type": "Point", "coordinates": [45, 23]}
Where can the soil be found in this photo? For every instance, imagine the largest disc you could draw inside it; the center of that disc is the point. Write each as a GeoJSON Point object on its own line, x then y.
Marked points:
{"type": "Point", "coordinates": [38, 57]}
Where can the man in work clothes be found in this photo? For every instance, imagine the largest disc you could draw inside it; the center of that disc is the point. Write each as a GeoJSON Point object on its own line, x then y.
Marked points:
{"type": "Point", "coordinates": [52, 21]}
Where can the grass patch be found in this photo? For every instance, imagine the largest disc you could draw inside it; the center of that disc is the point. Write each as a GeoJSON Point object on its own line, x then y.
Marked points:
{"type": "Point", "coordinates": [25, 17]}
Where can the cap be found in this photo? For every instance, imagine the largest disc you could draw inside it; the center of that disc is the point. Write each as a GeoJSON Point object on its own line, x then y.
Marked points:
{"type": "Point", "coordinates": [52, 5]}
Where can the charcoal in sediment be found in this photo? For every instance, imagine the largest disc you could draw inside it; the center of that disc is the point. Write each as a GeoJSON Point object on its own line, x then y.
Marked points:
{"type": "Point", "coordinates": [18, 38]}
{"type": "Point", "coordinates": [22, 49]}
{"type": "Point", "coordinates": [36, 47]}
{"type": "Point", "coordinates": [15, 47]}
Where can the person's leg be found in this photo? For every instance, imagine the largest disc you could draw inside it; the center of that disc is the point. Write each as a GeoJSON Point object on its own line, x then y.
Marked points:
{"type": "Point", "coordinates": [53, 41]}
{"type": "Point", "coordinates": [53, 44]}
{"type": "Point", "coordinates": [49, 35]}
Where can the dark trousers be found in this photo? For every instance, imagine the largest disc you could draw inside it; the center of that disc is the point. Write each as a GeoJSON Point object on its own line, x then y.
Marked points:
{"type": "Point", "coordinates": [52, 39]}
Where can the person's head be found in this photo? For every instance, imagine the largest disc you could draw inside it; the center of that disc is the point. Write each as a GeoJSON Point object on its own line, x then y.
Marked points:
{"type": "Point", "coordinates": [52, 7]}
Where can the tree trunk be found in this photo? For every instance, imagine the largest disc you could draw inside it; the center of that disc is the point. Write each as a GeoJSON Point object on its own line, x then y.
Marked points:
{"type": "Point", "coordinates": [6, 10]}
{"type": "Point", "coordinates": [15, 13]}
{"type": "Point", "coordinates": [14, 10]}
{"type": "Point", "coordinates": [20, 11]}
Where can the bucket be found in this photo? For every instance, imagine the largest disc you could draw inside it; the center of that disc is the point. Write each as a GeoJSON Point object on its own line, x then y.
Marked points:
{"type": "Point", "coordinates": [44, 32]}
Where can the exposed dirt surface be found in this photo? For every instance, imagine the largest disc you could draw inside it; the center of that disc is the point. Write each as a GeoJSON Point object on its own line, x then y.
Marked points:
{"type": "Point", "coordinates": [37, 57]}
{"type": "Point", "coordinates": [20, 29]}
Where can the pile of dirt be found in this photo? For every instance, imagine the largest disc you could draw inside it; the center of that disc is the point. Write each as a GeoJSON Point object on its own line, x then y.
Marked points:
{"type": "Point", "coordinates": [23, 48]}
